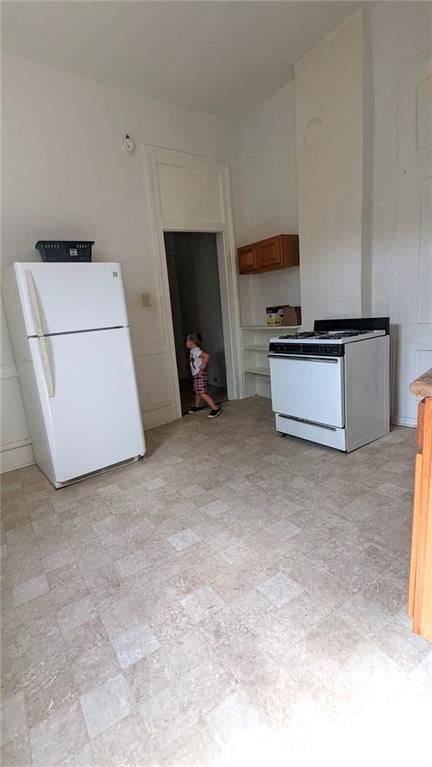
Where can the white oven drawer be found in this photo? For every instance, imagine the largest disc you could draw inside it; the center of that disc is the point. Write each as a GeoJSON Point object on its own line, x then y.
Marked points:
{"type": "Point", "coordinates": [310, 388]}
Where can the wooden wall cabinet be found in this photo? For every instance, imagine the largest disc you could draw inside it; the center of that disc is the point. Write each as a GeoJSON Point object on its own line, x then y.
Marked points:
{"type": "Point", "coordinates": [273, 253]}
{"type": "Point", "coordinates": [420, 587]}
{"type": "Point", "coordinates": [248, 259]}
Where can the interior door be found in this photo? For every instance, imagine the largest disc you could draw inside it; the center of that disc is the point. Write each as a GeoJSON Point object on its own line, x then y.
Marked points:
{"type": "Point", "coordinates": [412, 299]}
{"type": "Point", "coordinates": [310, 388]}
{"type": "Point", "coordinates": [89, 399]}
{"type": "Point", "coordinates": [61, 298]}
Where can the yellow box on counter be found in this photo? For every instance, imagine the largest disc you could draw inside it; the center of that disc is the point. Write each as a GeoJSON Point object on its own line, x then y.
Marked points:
{"type": "Point", "coordinates": [283, 315]}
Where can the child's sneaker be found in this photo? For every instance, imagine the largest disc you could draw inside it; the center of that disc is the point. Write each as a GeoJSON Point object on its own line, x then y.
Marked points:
{"type": "Point", "coordinates": [195, 409]}
{"type": "Point", "coordinates": [214, 413]}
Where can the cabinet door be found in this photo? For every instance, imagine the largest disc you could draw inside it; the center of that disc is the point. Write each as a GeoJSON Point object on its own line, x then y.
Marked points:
{"type": "Point", "coordinates": [248, 261]}
{"type": "Point", "coordinates": [270, 254]}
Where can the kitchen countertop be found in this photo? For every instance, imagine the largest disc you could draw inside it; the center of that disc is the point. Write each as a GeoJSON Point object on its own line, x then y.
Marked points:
{"type": "Point", "coordinates": [422, 386]}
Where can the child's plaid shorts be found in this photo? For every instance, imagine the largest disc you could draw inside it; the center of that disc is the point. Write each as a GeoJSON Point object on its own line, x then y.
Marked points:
{"type": "Point", "coordinates": [200, 383]}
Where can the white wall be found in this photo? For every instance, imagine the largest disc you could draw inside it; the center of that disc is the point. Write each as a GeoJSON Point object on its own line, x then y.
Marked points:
{"type": "Point", "coordinates": [67, 176]}
{"type": "Point", "coordinates": [329, 113]}
{"type": "Point", "coordinates": [268, 198]}
{"type": "Point", "coordinates": [268, 156]}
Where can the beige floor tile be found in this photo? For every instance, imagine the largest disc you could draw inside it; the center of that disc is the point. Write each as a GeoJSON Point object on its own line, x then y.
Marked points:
{"type": "Point", "coordinates": [58, 737]}
{"type": "Point", "coordinates": [13, 718]}
{"type": "Point", "coordinates": [186, 651]}
{"type": "Point", "coordinates": [105, 705]}
{"type": "Point", "coordinates": [183, 539]}
{"type": "Point", "coordinates": [48, 692]}
{"type": "Point", "coordinates": [126, 744]}
{"type": "Point", "coordinates": [195, 749]}
{"type": "Point", "coordinates": [20, 568]}
{"type": "Point", "coordinates": [105, 586]}
{"type": "Point", "coordinates": [123, 615]}
{"type": "Point", "coordinates": [131, 563]}
{"type": "Point", "coordinates": [169, 621]}
{"type": "Point", "coordinates": [401, 645]}
{"type": "Point", "coordinates": [75, 613]}
{"type": "Point", "coordinates": [86, 637]}
{"type": "Point", "coordinates": [215, 508]}
{"type": "Point", "coordinates": [233, 720]}
{"type": "Point", "coordinates": [206, 684]}
{"type": "Point", "coordinates": [322, 651]}
{"type": "Point", "coordinates": [149, 676]}
{"type": "Point", "coordinates": [58, 559]}
{"type": "Point", "coordinates": [280, 589]}
{"type": "Point", "coordinates": [201, 603]}
{"type": "Point", "coordinates": [93, 666]}
{"type": "Point", "coordinates": [34, 587]}
{"type": "Point", "coordinates": [134, 644]}
{"type": "Point", "coordinates": [231, 585]}
{"type": "Point", "coordinates": [167, 716]}
{"type": "Point", "coordinates": [67, 585]}
{"type": "Point", "coordinates": [16, 753]}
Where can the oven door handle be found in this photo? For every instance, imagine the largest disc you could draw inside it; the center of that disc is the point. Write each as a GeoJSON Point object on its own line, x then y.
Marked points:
{"type": "Point", "coordinates": [327, 360]}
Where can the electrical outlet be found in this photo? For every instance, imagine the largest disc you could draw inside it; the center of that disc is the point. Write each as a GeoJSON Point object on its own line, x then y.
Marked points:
{"type": "Point", "coordinates": [145, 299]}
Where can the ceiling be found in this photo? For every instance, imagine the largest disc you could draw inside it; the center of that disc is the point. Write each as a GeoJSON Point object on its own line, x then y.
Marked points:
{"type": "Point", "coordinates": [225, 58]}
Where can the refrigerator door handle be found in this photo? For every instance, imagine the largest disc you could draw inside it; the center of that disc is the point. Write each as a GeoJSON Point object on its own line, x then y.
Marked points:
{"type": "Point", "coordinates": [49, 381]}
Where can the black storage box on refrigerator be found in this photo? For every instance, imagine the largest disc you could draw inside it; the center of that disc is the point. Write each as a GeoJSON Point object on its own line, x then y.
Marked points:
{"type": "Point", "coordinates": [65, 250]}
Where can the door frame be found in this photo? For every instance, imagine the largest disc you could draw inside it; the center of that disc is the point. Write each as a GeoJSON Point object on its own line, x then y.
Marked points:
{"type": "Point", "coordinates": [227, 264]}
{"type": "Point", "coordinates": [399, 355]}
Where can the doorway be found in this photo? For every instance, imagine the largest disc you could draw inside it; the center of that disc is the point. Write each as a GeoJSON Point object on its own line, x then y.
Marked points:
{"type": "Point", "coordinates": [193, 277]}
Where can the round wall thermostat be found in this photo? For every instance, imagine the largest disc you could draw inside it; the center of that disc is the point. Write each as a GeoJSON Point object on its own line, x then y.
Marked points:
{"type": "Point", "coordinates": [129, 144]}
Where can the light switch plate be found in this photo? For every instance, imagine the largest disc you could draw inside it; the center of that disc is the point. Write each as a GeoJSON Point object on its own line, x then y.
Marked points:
{"type": "Point", "coordinates": [145, 299]}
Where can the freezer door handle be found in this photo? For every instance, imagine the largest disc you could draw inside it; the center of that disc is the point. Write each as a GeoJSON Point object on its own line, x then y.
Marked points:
{"type": "Point", "coordinates": [37, 315]}
{"type": "Point", "coordinates": [49, 381]}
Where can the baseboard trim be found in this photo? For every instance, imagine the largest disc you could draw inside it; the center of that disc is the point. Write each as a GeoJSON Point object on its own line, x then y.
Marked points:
{"type": "Point", "coordinates": [15, 456]}
{"type": "Point", "coordinates": [402, 421]}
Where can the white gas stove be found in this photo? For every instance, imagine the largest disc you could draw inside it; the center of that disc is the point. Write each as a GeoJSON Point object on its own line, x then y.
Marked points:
{"type": "Point", "coordinates": [331, 385]}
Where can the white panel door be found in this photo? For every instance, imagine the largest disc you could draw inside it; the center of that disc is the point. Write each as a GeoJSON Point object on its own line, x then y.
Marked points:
{"type": "Point", "coordinates": [89, 399]}
{"type": "Point", "coordinates": [308, 388]}
{"type": "Point", "coordinates": [412, 299]}
{"type": "Point", "coordinates": [60, 298]}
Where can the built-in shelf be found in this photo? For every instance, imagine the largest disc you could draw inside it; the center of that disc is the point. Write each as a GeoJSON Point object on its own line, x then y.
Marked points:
{"type": "Point", "coordinates": [258, 372]}
{"type": "Point", "coordinates": [274, 328]}
{"type": "Point", "coordinates": [255, 338]}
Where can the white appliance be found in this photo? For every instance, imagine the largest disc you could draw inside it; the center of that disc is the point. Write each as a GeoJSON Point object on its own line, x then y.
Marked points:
{"type": "Point", "coordinates": [331, 385]}
{"type": "Point", "coordinates": [70, 334]}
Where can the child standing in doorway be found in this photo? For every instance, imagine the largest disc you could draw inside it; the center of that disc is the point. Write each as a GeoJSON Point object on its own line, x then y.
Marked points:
{"type": "Point", "coordinates": [198, 362]}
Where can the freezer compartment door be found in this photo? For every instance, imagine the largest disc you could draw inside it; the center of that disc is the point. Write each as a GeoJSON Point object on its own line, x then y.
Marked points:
{"type": "Point", "coordinates": [89, 398]}
{"type": "Point", "coordinates": [309, 388]}
{"type": "Point", "coordinates": [64, 298]}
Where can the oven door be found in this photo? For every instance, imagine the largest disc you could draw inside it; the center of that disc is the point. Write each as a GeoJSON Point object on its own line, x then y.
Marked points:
{"type": "Point", "coordinates": [308, 388]}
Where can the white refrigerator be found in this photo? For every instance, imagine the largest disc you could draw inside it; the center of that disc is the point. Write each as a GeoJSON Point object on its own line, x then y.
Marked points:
{"type": "Point", "coordinates": [70, 334]}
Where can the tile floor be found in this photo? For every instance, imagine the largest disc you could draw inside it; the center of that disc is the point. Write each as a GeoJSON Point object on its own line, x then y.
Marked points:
{"type": "Point", "coordinates": [235, 599]}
